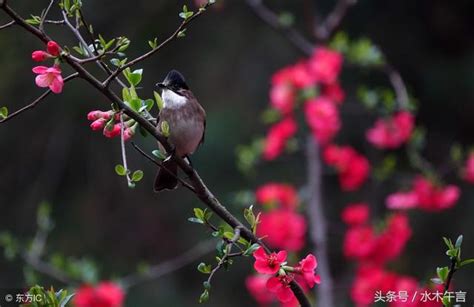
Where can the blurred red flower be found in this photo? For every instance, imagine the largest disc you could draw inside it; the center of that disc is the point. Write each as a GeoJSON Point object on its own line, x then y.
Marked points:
{"type": "Point", "coordinates": [322, 117]}
{"type": "Point", "coordinates": [355, 214]}
{"type": "Point", "coordinates": [391, 132]}
{"type": "Point", "coordinates": [105, 294]}
{"type": "Point", "coordinates": [277, 137]}
{"type": "Point", "coordinates": [325, 64]}
{"type": "Point", "coordinates": [273, 193]}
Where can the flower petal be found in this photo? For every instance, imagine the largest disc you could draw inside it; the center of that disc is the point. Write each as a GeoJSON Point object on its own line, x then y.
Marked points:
{"type": "Point", "coordinates": [262, 267]}
{"type": "Point", "coordinates": [57, 84]}
{"type": "Point", "coordinates": [281, 256]}
{"type": "Point", "coordinates": [40, 69]}
{"type": "Point", "coordinates": [43, 80]}
{"type": "Point", "coordinates": [260, 254]}
{"type": "Point", "coordinates": [274, 284]}
{"type": "Point", "coordinates": [285, 295]}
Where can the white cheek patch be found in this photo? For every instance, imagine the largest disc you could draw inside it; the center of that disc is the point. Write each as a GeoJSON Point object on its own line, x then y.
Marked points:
{"type": "Point", "coordinates": [172, 100]}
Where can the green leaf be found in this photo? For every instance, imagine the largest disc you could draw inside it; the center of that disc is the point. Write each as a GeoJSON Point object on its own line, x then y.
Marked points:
{"type": "Point", "coordinates": [126, 94]}
{"type": "Point", "coordinates": [204, 268]}
{"type": "Point", "coordinates": [136, 77]}
{"type": "Point", "coordinates": [466, 262]}
{"type": "Point", "coordinates": [185, 14]}
{"type": "Point", "coordinates": [458, 242]}
{"type": "Point", "coordinates": [137, 175]}
{"type": "Point", "coordinates": [149, 104]}
{"type": "Point", "coordinates": [199, 213]}
{"type": "Point", "coordinates": [3, 112]}
{"type": "Point", "coordinates": [135, 104]}
{"type": "Point", "coordinates": [204, 297]}
{"type": "Point", "coordinates": [250, 216]}
{"type": "Point", "coordinates": [448, 243]}
{"type": "Point", "coordinates": [153, 43]}
{"type": "Point", "coordinates": [442, 273]}
{"type": "Point", "coordinates": [120, 170]}
{"type": "Point", "coordinates": [456, 153]}
{"type": "Point", "coordinates": [249, 251]}
{"type": "Point", "coordinates": [157, 153]}
{"type": "Point", "coordinates": [165, 128]}
{"type": "Point", "coordinates": [159, 101]}
{"type": "Point", "coordinates": [181, 33]}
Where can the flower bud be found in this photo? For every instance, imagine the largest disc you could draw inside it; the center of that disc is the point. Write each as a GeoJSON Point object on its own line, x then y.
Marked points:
{"type": "Point", "coordinates": [39, 56]}
{"type": "Point", "coordinates": [94, 115]}
{"type": "Point", "coordinates": [98, 124]}
{"type": "Point", "coordinates": [111, 132]}
{"type": "Point", "coordinates": [53, 48]}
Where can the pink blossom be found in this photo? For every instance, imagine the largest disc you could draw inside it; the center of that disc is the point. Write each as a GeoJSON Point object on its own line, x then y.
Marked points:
{"type": "Point", "coordinates": [325, 65]}
{"type": "Point", "coordinates": [306, 267]}
{"type": "Point", "coordinates": [283, 195]}
{"type": "Point", "coordinates": [281, 287]}
{"type": "Point", "coordinates": [322, 117]}
{"type": "Point", "coordinates": [105, 294]}
{"type": "Point", "coordinates": [93, 115]}
{"type": "Point", "coordinates": [268, 263]}
{"type": "Point", "coordinates": [256, 285]}
{"type": "Point", "coordinates": [49, 77]}
{"type": "Point", "coordinates": [391, 132]}
{"type": "Point", "coordinates": [282, 97]}
{"type": "Point", "coordinates": [402, 200]}
{"type": "Point", "coordinates": [53, 48]}
{"type": "Point", "coordinates": [277, 137]}
{"type": "Point", "coordinates": [283, 229]}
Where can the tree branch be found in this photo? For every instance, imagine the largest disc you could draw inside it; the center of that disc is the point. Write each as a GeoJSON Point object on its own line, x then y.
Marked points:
{"type": "Point", "coordinates": [11, 23]}
{"type": "Point", "coordinates": [398, 85]}
{"type": "Point", "coordinates": [160, 165]}
{"type": "Point", "coordinates": [318, 230]}
{"type": "Point", "coordinates": [36, 101]}
{"type": "Point", "coordinates": [137, 60]}
{"type": "Point", "coordinates": [166, 267]}
{"type": "Point", "coordinates": [324, 31]}
{"type": "Point", "coordinates": [272, 19]}
{"type": "Point", "coordinates": [44, 15]}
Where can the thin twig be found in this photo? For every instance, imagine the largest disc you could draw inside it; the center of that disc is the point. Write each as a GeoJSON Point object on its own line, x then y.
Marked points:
{"type": "Point", "coordinates": [227, 251]}
{"type": "Point", "coordinates": [398, 86]}
{"type": "Point", "coordinates": [44, 15]}
{"type": "Point", "coordinates": [124, 153]}
{"type": "Point", "coordinates": [452, 270]}
{"type": "Point", "coordinates": [175, 34]}
{"type": "Point", "coordinates": [160, 165]}
{"type": "Point", "coordinates": [166, 267]}
{"type": "Point", "coordinates": [272, 19]}
{"type": "Point", "coordinates": [324, 31]}
{"type": "Point", "coordinates": [11, 23]}
{"type": "Point", "coordinates": [36, 101]}
{"type": "Point", "coordinates": [49, 270]}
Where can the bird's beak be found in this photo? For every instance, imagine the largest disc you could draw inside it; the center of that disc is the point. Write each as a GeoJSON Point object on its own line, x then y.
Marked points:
{"type": "Point", "coordinates": [161, 85]}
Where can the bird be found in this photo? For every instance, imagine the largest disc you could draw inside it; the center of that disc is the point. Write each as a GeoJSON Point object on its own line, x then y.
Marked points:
{"type": "Point", "coordinates": [186, 120]}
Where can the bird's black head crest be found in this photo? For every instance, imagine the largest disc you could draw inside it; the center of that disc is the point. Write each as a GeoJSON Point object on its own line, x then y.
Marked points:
{"type": "Point", "coordinates": [175, 81]}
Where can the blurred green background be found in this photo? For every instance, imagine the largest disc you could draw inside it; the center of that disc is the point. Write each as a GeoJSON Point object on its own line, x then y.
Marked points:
{"type": "Point", "coordinates": [227, 57]}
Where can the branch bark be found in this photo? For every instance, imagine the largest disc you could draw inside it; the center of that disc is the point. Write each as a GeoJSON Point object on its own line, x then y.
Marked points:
{"type": "Point", "coordinates": [318, 225]}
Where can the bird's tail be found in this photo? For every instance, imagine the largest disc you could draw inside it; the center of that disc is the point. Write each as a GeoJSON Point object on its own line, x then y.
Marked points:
{"type": "Point", "coordinates": [166, 179]}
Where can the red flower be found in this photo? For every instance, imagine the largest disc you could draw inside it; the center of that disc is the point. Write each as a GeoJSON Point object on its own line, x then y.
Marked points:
{"type": "Point", "coordinates": [105, 294]}
{"type": "Point", "coordinates": [322, 117]}
{"type": "Point", "coordinates": [353, 168]}
{"type": "Point", "coordinates": [281, 194]}
{"type": "Point", "coordinates": [334, 92]}
{"type": "Point", "coordinates": [283, 229]}
{"type": "Point", "coordinates": [368, 280]}
{"type": "Point", "coordinates": [468, 172]}
{"type": "Point", "coordinates": [256, 285]}
{"type": "Point", "coordinates": [435, 198]}
{"type": "Point", "coordinates": [53, 48]}
{"type": "Point", "coordinates": [268, 264]}
{"type": "Point", "coordinates": [402, 200]}
{"type": "Point", "coordinates": [355, 214]}
{"type": "Point", "coordinates": [392, 132]}
{"type": "Point", "coordinates": [306, 267]}
{"type": "Point", "coordinates": [277, 137]}
{"type": "Point", "coordinates": [391, 242]}
{"type": "Point", "coordinates": [282, 97]}
{"type": "Point", "coordinates": [359, 242]}
{"type": "Point", "coordinates": [281, 287]}
{"type": "Point", "coordinates": [39, 55]}
{"type": "Point", "coordinates": [49, 77]}
{"type": "Point", "coordinates": [409, 285]}
{"type": "Point", "coordinates": [325, 64]}
{"type": "Point", "coordinates": [301, 76]}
